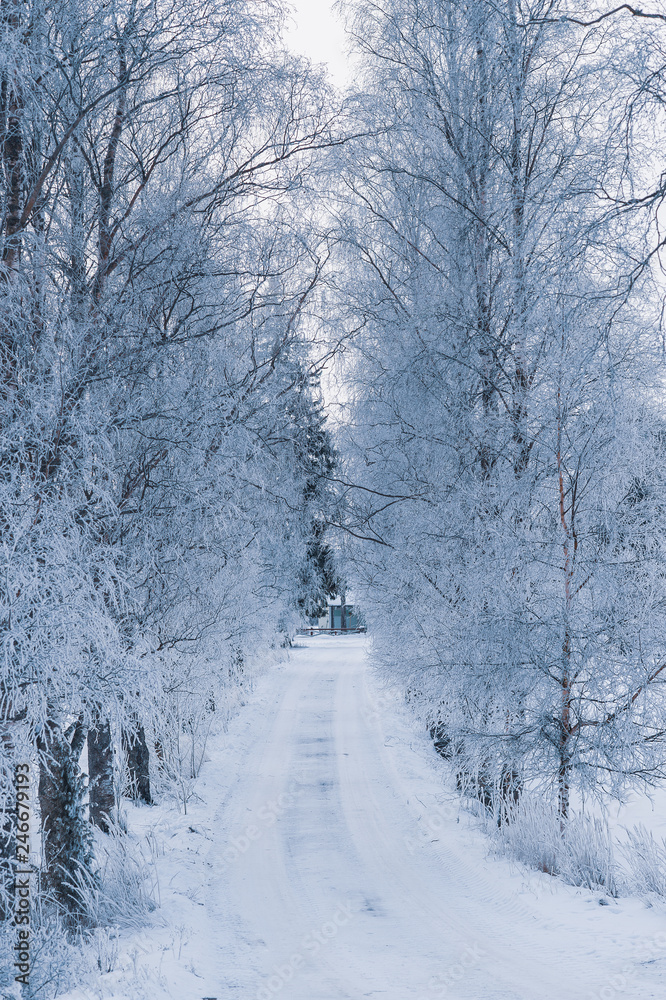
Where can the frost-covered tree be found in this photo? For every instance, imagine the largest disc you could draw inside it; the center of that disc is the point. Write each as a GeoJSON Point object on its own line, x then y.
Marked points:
{"type": "Point", "coordinates": [153, 279]}
{"type": "Point", "coordinates": [504, 391]}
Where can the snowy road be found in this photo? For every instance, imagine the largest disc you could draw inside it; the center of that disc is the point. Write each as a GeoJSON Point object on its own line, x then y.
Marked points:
{"type": "Point", "coordinates": [337, 875]}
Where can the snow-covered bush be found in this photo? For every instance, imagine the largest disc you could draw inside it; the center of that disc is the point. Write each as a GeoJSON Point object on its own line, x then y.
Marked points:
{"type": "Point", "coordinates": [124, 889]}
{"type": "Point", "coordinates": [57, 963]}
{"type": "Point", "coordinates": [181, 729]}
{"type": "Point", "coordinates": [105, 944]}
{"type": "Point", "coordinates": [581, 854]}
{"type": "Point", "coordinates": [586, 855]}
{"type": "Point", "coordinates": [646, 862]}
{"type": "Point", "coordinates": [533, 837]}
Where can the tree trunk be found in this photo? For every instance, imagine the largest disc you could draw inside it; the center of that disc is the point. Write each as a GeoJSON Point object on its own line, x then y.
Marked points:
{"type": "Point", "coordinates": [12, 154]}
{"type": "Point", "coordinates": [66, 836]}
{"type": "Point", "coordinates": [138, 761]}
{"type": "Point", "coordinates": [100, 769]}
{"type": "Point", "coordinates": [565, 741]}
{"type": "Point", "coordinates": [569, 546]}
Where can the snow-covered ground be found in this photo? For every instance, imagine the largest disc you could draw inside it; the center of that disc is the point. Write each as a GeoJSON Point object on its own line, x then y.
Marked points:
{"type": "Point", "coordinates": [326, 859]}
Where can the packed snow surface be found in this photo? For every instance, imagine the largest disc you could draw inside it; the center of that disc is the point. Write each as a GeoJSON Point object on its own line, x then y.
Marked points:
{"type": "Point", "coordinates": [340, 866]}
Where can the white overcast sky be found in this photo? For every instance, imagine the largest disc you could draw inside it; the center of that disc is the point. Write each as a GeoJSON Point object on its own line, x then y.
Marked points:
{"type": "Point", "coordinates": [318, 34]}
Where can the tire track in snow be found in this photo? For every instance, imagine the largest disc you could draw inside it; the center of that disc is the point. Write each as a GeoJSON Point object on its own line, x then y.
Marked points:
{"type": "Point", "coordinates": [344, 838]}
